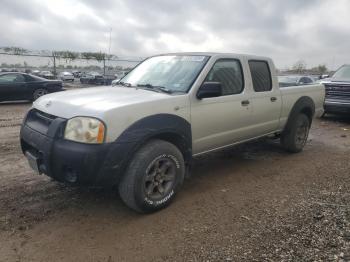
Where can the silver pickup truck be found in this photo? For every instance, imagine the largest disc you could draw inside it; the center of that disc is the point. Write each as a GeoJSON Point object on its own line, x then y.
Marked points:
{"type": "Point", "coordinates": [142, 134]}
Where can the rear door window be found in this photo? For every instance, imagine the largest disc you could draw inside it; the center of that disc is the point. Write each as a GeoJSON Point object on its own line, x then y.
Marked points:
{"type": "Point", "coordinates": [261, 75]}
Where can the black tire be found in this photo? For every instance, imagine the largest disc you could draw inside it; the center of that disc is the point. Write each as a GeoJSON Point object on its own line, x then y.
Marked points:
{"type": "Point", "coordinates": [39, 92]}
{"type": "Point", "coordinates": [294, 138]}
{"type": "Point", "coordinates": [138, 188]}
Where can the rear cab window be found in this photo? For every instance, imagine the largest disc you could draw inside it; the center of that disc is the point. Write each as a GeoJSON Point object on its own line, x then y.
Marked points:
{"type": "Point", "coordinates": [261, 75]}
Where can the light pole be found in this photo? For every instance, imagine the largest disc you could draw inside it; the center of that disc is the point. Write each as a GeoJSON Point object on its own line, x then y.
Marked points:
{"type": "Point", "coordinates": [110, 41]}
{"type": "Point", "coordinates": [109, 51]}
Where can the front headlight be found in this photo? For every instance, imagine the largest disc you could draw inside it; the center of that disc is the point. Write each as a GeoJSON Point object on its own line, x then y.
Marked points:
{"type": "Point", "coordinates": [85, 130]}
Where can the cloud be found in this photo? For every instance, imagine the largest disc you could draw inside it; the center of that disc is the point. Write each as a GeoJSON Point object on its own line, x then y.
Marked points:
{"type": "Point", "coordinates": [316, 31]}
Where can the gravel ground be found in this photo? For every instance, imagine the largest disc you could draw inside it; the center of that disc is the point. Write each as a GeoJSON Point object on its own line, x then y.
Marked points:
{"type": "Point", "coordinates": [250, 203]}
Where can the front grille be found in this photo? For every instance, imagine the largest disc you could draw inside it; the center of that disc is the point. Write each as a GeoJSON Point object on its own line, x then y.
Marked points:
{"type": "Point", "coordinates": [338, 91]}
{"type": "Point", "coordinates": [39, 121]}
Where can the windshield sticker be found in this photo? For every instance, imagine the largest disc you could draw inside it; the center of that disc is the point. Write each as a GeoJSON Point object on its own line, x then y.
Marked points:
{"type": "Point", "coordinates": [193, 58]}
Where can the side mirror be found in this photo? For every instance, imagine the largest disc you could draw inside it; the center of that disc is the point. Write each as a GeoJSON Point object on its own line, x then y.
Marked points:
{"type": "Point", "coordinates": [209, 89]}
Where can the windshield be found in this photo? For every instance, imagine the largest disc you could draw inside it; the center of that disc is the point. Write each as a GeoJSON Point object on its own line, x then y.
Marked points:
{"type": "Point", "coordinates": [176, 73]}
{"type": "Point", "coordinates": [342, 73]}
{"type": "Point", "coordinates": [287, 79]}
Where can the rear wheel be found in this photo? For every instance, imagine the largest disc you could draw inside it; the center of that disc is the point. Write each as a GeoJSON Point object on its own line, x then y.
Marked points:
{"type": "Point", "coordinates": [153, 177]}
{"type": "Point", "coordinates": [294, 138]}
{"type": "Point", "coordinates": [38, 93]}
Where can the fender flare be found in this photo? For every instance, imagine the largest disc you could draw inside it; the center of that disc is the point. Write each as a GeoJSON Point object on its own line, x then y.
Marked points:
{"type": "Point", "coordinates": [172, 128]}
{"type": "Point", "coordinates": [303, 105]}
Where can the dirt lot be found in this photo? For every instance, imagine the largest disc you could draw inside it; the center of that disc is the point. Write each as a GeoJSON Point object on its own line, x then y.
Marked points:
{"type": "Point", "coordinates": [250, 203]}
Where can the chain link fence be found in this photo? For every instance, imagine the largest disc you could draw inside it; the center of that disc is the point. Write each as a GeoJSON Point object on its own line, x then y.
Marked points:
{"type": "Point", "coordinates": [104, 64]}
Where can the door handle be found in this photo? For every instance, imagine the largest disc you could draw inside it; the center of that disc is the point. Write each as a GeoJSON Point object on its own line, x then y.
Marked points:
{"type": "Point", "coordinates": [245, 102]}
{"type": "Point", "coordinates": [273, 99]}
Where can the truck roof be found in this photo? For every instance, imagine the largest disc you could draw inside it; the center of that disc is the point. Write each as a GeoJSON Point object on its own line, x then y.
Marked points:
{"type": "Point", "coordinates": [219, 54]}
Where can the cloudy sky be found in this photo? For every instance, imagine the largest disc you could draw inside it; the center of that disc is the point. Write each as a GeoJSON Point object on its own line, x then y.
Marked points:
{"type": "Point", "coordinates": [317, 31]}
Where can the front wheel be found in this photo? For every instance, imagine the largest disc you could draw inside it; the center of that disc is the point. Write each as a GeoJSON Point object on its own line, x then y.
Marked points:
{"type": "Point", "coordinates": [294, 138]}
{"type": "Point", "coordinates": [153, 177]}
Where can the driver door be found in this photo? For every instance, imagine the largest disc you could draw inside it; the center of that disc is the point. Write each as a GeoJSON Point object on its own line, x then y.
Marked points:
{"type": "Point", "coordinates": [221, 121]}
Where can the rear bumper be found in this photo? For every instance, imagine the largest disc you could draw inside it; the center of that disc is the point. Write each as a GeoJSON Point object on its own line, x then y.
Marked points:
{"type": "Point", "coordinates": [72, 162]}
{"type": "Point", "coordinates": [336, 106]}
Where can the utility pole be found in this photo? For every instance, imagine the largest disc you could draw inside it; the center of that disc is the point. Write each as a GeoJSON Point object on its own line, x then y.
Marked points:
{"type": "Point", "coordinates": [110, 40]}
{"type": "Point", "coordinates": [104, 65]}
{"type": "Point", "coordinates": [54, 65]}
{"type": "Point", "coordinates": [109, 50]}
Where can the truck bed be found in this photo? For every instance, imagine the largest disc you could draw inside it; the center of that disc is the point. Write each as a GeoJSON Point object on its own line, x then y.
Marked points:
{"type": "Point", "coordinates": [292, 93]}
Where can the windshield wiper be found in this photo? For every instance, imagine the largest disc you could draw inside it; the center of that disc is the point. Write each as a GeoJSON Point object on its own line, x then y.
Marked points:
{"type": "Point", "coordinates": [156, 88]}
{"type": "Point", "coordinates": [121, 83]}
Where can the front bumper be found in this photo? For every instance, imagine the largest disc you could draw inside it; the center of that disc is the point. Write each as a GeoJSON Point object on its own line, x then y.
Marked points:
{"type": "Point", "coordinates": [336, 106]}
{"type": "Point", "coordinates": [73, 162]}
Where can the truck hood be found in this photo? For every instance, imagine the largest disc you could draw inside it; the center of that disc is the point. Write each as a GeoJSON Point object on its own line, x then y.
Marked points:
{"type": "Point", "coordinates": [94, 101]}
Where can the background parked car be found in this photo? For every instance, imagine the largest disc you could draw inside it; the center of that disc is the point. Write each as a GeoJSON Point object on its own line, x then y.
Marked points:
{"type": "Point", "coordinates": [77, 74]}
{"type": "Point", "coordinates": [92, 78]}
{"type": "Point", "coordinates": [21, 86]}
{"type": "Point", "coordinates": [316, 78]}
{"type": "Point", "coordinates": [108, 79]}
{"type": "Point", "coordinates": [115, 82]}
{"type": "Point", "coordinates": [36, 72]}
{"type": "Point", "coordinates": [338, 91]}
{"type": "Point", "coordinates": [66, 76]}
{"type": "Point", "coordinates": [294, 80]}
{"type": "Point", "coordinates": [47, 75]}
{"type": "Point", "coordinates": [121, 74]}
